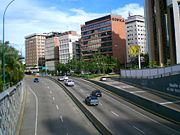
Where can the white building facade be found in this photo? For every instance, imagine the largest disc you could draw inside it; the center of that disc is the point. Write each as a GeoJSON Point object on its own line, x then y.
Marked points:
{"type": "Point", "coordinates": [66, 40]}
{"type": "Point", "coordinates": [135, 34]}
{"type": "Point", "coordinates": [52, 51]}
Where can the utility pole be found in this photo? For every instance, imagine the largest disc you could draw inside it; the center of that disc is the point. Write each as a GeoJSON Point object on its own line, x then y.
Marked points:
{"type": "Point", "coordinates": [3, 48]}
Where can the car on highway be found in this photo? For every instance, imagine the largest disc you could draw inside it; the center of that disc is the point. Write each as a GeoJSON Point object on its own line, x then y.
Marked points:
{"type": "Point", "coordinates": [103, 79]}
{"type": "Point", "coordinates": [92, 100]}
{"type": "Point", "coordinates": [69, 82]}
{"type": "Point", "coordinates": [96, 93]}
{"type": "Point", "coordinates": [36, 79]}
{"type": "Point", "coordinates": [66, 77]}
{"type": "Point", "coordinates": [61, 78]}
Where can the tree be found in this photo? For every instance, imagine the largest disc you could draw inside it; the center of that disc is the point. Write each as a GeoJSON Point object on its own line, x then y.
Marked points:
{"type": "Point", "coordinates": [14, 69]}
{"type": "Point", "coordinates": [135, 51]}
{"type": "Point", "coordinates": [63, 68]}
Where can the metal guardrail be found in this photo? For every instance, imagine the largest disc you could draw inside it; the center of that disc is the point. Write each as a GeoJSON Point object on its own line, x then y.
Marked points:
{"type": "Point", "coordinates": [10, 105]}
{"type": "Point", "coordinates": [151, 73]}
{"type": "Point", "coordinates": [103, 130]}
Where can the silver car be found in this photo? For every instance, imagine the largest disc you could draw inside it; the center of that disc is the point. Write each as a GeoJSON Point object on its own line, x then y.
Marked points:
{"type": "Point", "coordinates": [69, 82]}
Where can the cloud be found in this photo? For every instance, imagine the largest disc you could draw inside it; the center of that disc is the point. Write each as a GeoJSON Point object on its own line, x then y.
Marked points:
{"type": "Point", "coordinates": [133, 8]}
{"type": "Point", "coordinates": [27, 17]}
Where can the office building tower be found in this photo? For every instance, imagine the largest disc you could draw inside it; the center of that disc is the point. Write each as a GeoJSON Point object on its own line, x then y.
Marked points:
{"type": "Point", "coordinates": [105, 35]}
{"type": "Point", "coordinates": [52, 50]}
{"type": "Point", "coordinates": [35, 45]}
{"type": "Point", "coordinates": [66, 40]}
{"type": "Point", "coordinates": [135, 34]}
{"type": "Point", "coordinates": [163, 30]}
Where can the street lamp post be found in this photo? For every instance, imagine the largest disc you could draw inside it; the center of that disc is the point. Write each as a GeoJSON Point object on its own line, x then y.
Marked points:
{"type": "Point", "coordinates": [3, 48]}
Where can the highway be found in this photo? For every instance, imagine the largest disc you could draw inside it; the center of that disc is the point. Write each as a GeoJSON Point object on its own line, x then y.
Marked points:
{"type": "Point", "coordinates": [121, 117]}
{"type": "Point", "coordinates": [49, 111]}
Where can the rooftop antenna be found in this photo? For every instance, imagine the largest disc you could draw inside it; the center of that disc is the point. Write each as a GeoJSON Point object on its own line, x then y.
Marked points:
{"type": "Point", "coordinates": [130, 13]}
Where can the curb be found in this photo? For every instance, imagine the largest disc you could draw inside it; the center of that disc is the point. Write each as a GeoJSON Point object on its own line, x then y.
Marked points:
{"type": "Point", "coordinates": [21, 115]}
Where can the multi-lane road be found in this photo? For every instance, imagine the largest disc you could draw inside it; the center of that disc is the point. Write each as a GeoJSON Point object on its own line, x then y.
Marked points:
{"type": "Point", "coordinates": [50, 111]}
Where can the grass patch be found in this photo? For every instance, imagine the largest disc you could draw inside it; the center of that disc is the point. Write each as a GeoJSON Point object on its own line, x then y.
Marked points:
{"type": "Point", "coordinates": [88, 76]}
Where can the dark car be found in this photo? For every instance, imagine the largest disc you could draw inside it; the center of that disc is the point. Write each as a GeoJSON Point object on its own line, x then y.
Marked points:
{"type": "Point", "coordinates": [36, 80]}
{"type": "Point", "coordinates": [91, 100]}
{"type": "Point", "coordinates": [96, 93]}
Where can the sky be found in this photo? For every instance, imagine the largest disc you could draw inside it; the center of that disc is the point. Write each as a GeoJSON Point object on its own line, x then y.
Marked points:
{"type": "Point", "coordinates": [25, 17]}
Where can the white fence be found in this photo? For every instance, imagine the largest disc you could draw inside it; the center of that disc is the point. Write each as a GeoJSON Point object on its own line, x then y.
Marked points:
{"type": "Point", "coordinates": [151, 73]}
{"type": "Point", "coordinates": [10, 105]}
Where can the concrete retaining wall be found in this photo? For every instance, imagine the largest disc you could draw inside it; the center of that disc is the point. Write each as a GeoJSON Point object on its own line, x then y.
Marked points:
{"type": "Point", "coordinates": [168, 84]}
{"type": "Point", "coordinates": [10, 105]}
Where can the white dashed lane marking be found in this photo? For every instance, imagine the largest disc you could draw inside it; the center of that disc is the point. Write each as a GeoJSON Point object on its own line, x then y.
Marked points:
{"type": "Point", "coordinates": [138, 129]}
{"type": "Point", "coordinates": [61, 118]}
{"type": "Point", "coordinates": [50, 92]}
{"type": "Point", "coordinates": [57, 107]}
{"type": "Point", "coordinates": [115, 113]}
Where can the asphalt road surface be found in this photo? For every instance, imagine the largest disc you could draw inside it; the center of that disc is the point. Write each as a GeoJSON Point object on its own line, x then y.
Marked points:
{"type": "Point", "coordinates": [49, 111]}
{"type": "Point", "coordinates": [123, 118]}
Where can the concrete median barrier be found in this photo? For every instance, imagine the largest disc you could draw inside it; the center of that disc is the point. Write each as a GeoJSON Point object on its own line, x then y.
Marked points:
{"type": "Point", "coordinates": [100, 127]}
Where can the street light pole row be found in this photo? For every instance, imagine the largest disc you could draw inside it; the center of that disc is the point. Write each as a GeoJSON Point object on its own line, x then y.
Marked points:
{"type": "Point", "coordinates": [3, 48]}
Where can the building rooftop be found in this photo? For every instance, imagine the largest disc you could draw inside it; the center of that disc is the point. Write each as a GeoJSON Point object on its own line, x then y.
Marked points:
{"type": "Point", "coordinates": [35, 34]}
{"type": "Point", "coordinates": [68, 32]}
{"type": "Point", "coordinates": [134, 18]}
{"type": "Point", "coordinates": [53, 34]}
{"type": "Point", "coordinates": [103, 18]}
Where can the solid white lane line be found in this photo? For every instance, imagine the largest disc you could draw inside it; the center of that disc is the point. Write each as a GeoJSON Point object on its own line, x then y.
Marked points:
{"type": "Point", "coordinates": [53, 98]}
{"type": "Point", "coordinates": [50, 92]}
{"type": "Point", "coordinates": [138, 129]}
{"type": "Point", "coordinates": [57, 107]}
{"type": "Point", "coordinates": [35, 132]}
{"type": "Point", "coordinates": [61, 119]}
{"type": "Point", "coordinates": [165, 103]}
{"type": "Point", "coordinates": [115, 113]}
{"type": "Point", "coordinates": [138, 91]}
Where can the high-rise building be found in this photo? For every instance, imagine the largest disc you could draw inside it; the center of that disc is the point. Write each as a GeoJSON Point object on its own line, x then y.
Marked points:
{"type": "Point", "coordinates": [76, 50]}
{"type": "Point", "coordinates": [34, 45]}
{"type": "Point", "coordinates": [163, 30]}
{"type": "Point", "coordinates": [106, 35]}
{"type": "Point", "coordinates": [135, 34]}
{"type": "Point", "coordinates": [66, 40]}
{"type": "Point", "coordinates": [52, 50]}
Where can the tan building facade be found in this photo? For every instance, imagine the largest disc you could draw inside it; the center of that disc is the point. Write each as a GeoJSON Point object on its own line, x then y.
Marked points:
{"type": "Point", "coordinates": [105, 34]}
{"type": "Point", "coordinates": [34, 45]}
